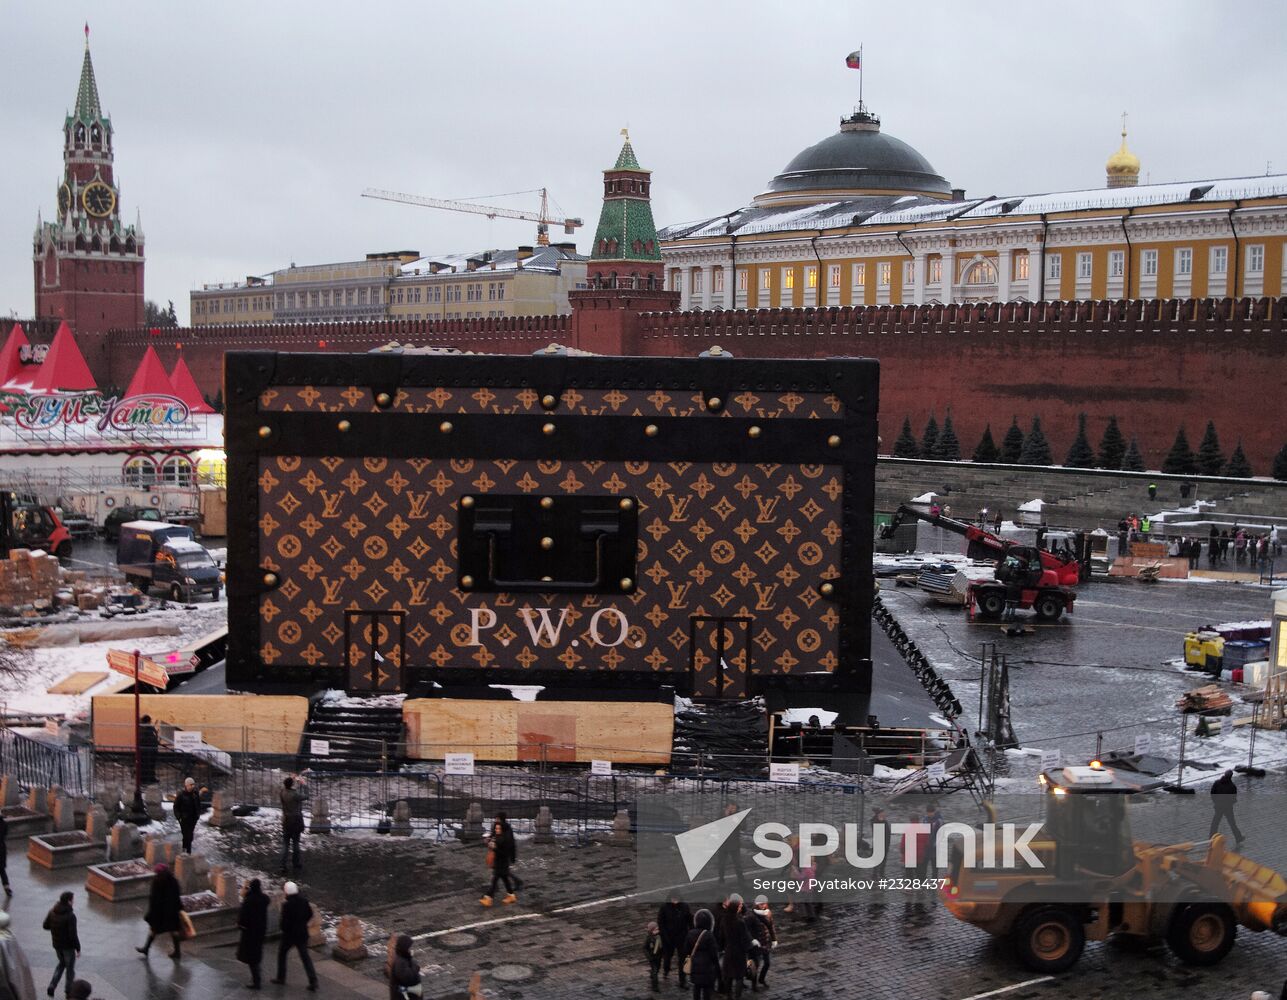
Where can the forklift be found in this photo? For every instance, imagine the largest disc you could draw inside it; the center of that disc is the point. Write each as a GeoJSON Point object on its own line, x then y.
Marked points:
{"type": "Point", "coordinates": [1097, 882]}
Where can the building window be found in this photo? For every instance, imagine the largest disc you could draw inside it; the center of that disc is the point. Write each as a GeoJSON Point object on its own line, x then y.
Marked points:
{"type": "Point", "coordinates": [1116, 264]}
{"type": "Point", "coordinates": [885, 274]}
{"type": "Point", "coordinates": [139, 471]}
{"type": "Point", "coordinates": [697, 281]}
{"type": "Point", "coordinates": [936, 271]}
{"type": "Point", "coordinates": [500, 293]}
{"type": "Point", "coordinates": [717, 280]}
{"type": "Point", "coordinates": [1219, 260]}
{"type": "Point", "coordinates": [1148, 263]}
{"type": "Point", "coordinates": [177, 471]}
{"type": "Point", "coordinates": [860, 274]}
{"type": "Point", "coordinates": [833, 276]}
{"type": "Point", "coordinates": [811, 277]}
{"type": "Point", "coordinates": [1021, 266]}
{"type": "Point", "coordinates": [981, 272]}
{"type": "Point", "coordinates": [674, 281]}
{"type": "Point", "coordinates": [766, 279]}
{"type": "Point", "coordinates": [1083, 265]}
{"type": "Point", "coordinates": [742, 281]}
{"type": "Point", "coordinates": [1255, 258]}
{"type": "Point", "coordinates": [788, 278]}
{"type": "Point", "coordinates": [1054, 266]}
{"type": "Point", "coordinates": [1184, 261]}
{"type": "Point", "coordinates": [909, 273]}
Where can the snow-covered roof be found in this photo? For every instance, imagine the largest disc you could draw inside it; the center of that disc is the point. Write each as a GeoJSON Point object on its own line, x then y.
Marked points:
{"type": "Point", "coordinates": [547, 259]}
{"type": "Point", "coordinates": [910, 210]}
{"type": "Point", "coordinates": [182, 545]}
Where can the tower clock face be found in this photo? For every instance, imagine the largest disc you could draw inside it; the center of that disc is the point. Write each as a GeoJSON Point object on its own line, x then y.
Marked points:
{"type": "Point", "coordinates": [98, 199]}
{"type": "Point", "coordinates": [64, 199]}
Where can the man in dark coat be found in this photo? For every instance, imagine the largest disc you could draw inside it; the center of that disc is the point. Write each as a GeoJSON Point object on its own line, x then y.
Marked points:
{"type": "Point", "coordinates": [730, 852]}
{"type": "Point", "coordinates": [403, 970]}
{"type": "Point", "coordinates": [252, 921]}
{"type": "Point", "coordinates": [60, 922]}
{"type": "Point", "coordinates": [292, 822]}
{"type": "Point", "coordinates": [148, 746]}
{"type": "Point", "coordinates": [674, 920]}
{"type": "Point", "coordinates": [296, 913]}
{"type": "Point", "coordinates": [735, 942]}
{"type": "Point", "coordinates": [700, 946]}
{"type": "Point", "coordinates": [187, 810]}
{"type": "Point", "coordinates": [1223, 796]}
{"type": "Point", "coordinates": [163, 908]}
{"type": "Point", "coordinates": [4, 855]}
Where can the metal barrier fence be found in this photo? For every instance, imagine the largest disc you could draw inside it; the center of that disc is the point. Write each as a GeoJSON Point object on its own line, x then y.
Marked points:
{"type": "Point", "coordinates": [33, 762]}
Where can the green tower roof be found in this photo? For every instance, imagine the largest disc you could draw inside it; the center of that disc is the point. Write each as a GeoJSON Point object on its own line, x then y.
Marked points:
{"type": "Point", "coordinates": [626, 160]}
{"type": "Point", "coordinates": [626, 230]}
{"type": "Point", "coordinates": [88, 108]}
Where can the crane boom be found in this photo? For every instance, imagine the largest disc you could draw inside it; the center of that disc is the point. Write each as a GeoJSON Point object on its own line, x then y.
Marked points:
{"type": "Point", "coordinates": [542, 218]}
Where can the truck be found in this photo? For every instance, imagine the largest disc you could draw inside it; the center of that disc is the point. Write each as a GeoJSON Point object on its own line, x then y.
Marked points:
{"type": "Point", "coordinates": [1096, 882]}
{"type": "Point", "coordinates": [27, 524]}
{"type": "Point", "coordinates": [159, 554]}
{"type": "Point", "coordinates": [615, 529]}
{"type": "Point", "coordinates": [1027, 577]}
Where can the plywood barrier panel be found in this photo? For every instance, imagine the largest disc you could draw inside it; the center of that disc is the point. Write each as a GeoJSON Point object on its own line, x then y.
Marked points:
{"type": "Point", "coordinates": [258, 723]}
{"type": "Point", "coordinates": [623, 732]}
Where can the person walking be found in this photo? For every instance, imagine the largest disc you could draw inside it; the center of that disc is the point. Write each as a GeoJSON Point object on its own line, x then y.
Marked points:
{"type": "Point", "coordinates": [1224, 794]}
{"type": "Point", "coordinates": [296, 913]}
{"type": "Point", "coordinates": [163, 908]}
{"type": "Point", "coordinates": [880, 836]}
{"type": "Point", "coordinates": [404, 971]}
{"type": "Point", "coordinates": [502, 851]}
{"type": "Point", "coordinates": [675, 920]}
{"type": "Point", "coordinates": [187, 810]}
{"type": "Point", "coordinates": [652, 952]}
{"type": "Point", "coordinates": [60, 922]}
{"type": "Point", "coordinates": [767, 934]}
{"type": "Point", "coordinates": [730, 852]}
{"type": "Point", "coordinates": [292, 823]}
{"type": "Point", "coordinates": [701, 956]}
{"type": "Point", "coordinates": [734, 941]}
{"type": "Point", "coordinates": [252, 921]}
{"type": "Point", "coordinates": [4, 855]}
{"type": "Point", "coordinates": [15, 970]}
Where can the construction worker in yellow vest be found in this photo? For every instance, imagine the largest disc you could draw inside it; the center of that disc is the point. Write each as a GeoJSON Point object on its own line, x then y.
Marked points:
{"type": "Point", "coordinates": [1146, 526]}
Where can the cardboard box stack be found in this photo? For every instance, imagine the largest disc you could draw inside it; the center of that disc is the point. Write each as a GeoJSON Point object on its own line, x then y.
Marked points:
{"type": "Point", "coordinates": [32, 582]}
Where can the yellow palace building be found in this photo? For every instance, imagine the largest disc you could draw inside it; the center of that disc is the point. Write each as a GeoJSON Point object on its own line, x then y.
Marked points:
{"type": "Point", "coordinates": [862, 218]}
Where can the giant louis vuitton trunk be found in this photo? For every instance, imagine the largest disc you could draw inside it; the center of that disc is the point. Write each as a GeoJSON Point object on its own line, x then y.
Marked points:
{"type": "Point", "coordinates": [602, 527]}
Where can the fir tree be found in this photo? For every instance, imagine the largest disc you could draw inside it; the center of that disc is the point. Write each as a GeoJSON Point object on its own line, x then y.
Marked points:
{"type": "Point", "coordinates": [987, 450]}
{"type": "Point", "coordinates": [1036, 449]}
{"type": "Point", "coordinates": [1238, 467]}
{"type": "Point", "coordinates": [1012, 444]}
{"type": "Point", "coordinates": [1133, 461]}
{"type": "Point", "coordinates": [1210, 457]}
{"type": "Point", "coordinates": [948, 448]}
{"type": "Point", "coordinates": [1112, 446]}
{"type": "Point", "coordinates": [1180, 460]}
{"type": "Point", "coordinates": [929, 440]}
{"type": "Point", "coordinates": [1079, 455]}
{"type": "Point", "coordinates": [905, 446]}
{"type": "Point", "coordinates": [1280, 463]}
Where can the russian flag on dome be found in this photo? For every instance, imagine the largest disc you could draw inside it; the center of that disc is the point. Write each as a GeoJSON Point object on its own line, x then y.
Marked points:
{"type": "Point", "coordinates": [854, 59]}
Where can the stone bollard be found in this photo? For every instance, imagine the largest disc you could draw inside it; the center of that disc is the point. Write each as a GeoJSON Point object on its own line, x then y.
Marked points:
{"type": "Point", "coordinates": [159, 851]}
{"type": "Point", "coordinates": [110, 799]}
{"type": "Point", "coordinates": [275, 901]}
{"type": "Point", "coordinates": [80, 806]}
{"type": "Point", "coordinates": [64, 814]}
{"type": "Point", "coordinates": [621, 829]}
{"type": "Point", "coordinates": [152, 803]}
{"type": "Point", "coordinates": [37, 796]}
{"type": "Point", "coordinates": [10, 793]}
{"type": "Point", "coordinates": [472, 828]}
{"type": "Point", "coordinates": [401, 819]}
{"type": "Point", "coordinates": [52, 795]}
{"type": "Point", "coordinates": [227, 888]}
{"type": "Point", "coordinates": [349, 946]}
{"type": "Point", "coordinates": [96, 825]}
{"type": "Point", "coordinates": [316, 936]}
{"type": "Point", "coordinates": [320, 819]}
{"type": "Point", "coordinates": [193, 873]}
{"type": "Point", "coordinates": [543, 828]}
{"type": "Point", "coordinates": [221, 815]}
{"type": "Point", "coordinates": [124, 843]}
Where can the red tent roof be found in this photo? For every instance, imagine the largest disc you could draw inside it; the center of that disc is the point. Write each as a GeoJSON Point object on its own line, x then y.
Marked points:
{"type": "Point", "coordinates": [150, 378]}
{"type": "Point", "coordinates": [64, 366]}
{"type": "Point", "coordinates": [11, 367]}
{"type": "Point", "coordinates": [185, 387]}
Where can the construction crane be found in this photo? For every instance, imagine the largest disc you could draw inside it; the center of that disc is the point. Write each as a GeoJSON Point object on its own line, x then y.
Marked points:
{"type": "Point", "coordinates": [542, 219]}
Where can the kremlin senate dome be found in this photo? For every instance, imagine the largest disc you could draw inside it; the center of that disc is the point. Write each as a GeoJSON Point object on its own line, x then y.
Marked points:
{"type": "Point", "coordinates": [1123, 167]}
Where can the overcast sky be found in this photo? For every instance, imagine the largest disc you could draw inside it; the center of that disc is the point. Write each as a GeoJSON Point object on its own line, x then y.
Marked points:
{"type": "Point", "coordinates": [246, 132]}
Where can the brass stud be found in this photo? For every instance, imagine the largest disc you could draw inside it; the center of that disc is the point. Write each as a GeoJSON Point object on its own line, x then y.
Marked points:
{"type": "Point", "coordinates": [754, 431]}
{"type": "Point", "coordinates": [265, 431]}
{"type": "Point", "coordinates": [344, 426]}
{"type": "Point", "coordinates": [466, 582]}
{"type": "Point", "coordinates": [716, 351]}
{"type": "Point", "coordinates": [466, 502]}
{"type": "Point", "coordinates": [547, 503]}
{"type": "Point", "coordinates": [547, 543]}
{"type": "Point", "coordinates": [651, 430]}
{"type": "Point", "coordinates": [627, 583]}
{"type": "Point", "coordinates": [549, 402]}
{"type": "Point", "coordinates": [714, 403]}
{"type": "Point", "coordinates": [270, 579]}
{"type": "Point", "coordinates": [445, 427]}
{"type": "Point", "coordinates": [827, 589]}
{"type": "Point", "coordinates": [547, 429]}
{"type": "Point", "coordinates": [627, 504]}
{"type": "Point", "coordinates": [833, 441]}
{"type": "Point", "coordinates": [383, 399]}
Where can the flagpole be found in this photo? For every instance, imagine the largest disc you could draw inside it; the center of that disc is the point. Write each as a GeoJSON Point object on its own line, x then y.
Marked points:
{"type": "Point", "coordinates": [860, 69]}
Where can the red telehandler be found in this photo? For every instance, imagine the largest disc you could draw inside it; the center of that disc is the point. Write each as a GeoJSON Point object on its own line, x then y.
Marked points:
{"type": "Point", "coordinates": [1026, 576]}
